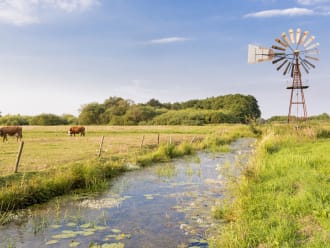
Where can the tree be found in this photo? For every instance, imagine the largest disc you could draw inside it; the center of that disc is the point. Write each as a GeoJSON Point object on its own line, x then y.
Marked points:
{"type": "Point", "coordinates": [139, 113]}
{"type": "Point", "coordinates": [154, 103]}
{"type": "Point", "coordinates": [91, 114]}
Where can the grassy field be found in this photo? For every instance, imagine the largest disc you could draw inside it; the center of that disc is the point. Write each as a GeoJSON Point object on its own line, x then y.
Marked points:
{"type": "Point", "coordinates": [282, 199]}
{"type": "Point", "coordinates": [48, 147]}
{"type": "Point", "coordinates": [53, 163]}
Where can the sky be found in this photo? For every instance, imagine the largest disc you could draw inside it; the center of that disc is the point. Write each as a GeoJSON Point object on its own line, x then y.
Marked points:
{"type": "Point", "coordinates": [58, 55]}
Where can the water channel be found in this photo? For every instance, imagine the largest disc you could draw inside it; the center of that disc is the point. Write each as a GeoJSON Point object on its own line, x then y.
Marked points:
{"type": "Point", "coordinates": [165, 205]}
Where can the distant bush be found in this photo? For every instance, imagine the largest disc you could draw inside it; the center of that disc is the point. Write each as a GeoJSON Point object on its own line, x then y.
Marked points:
{"type": "Point", "coordinates": [48, 119]}
{"type": "Point", "coordinates": [323, 133]}
{"type": "Point", "coordinates": [15, 120]}
{"type": "Point", "coordinates": [194, 117]}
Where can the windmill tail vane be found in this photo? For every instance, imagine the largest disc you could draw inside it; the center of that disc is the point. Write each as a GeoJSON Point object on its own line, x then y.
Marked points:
{"type": "Point", "coordinates": [291, 52]}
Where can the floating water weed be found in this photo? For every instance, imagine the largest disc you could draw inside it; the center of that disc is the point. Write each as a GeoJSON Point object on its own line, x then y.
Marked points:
{"type": "Point", "coordinates": [111, 245]}
{"type": "Point", "coordinates": [65, 235]}
{"type": "Point", "coordinates": [74, 244]}
{"type": "Point", "coordinates": [51, 242]}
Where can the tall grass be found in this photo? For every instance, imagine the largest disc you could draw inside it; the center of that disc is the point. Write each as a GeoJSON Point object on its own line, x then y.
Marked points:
{"type": "Point", "coordinates": [24, 190]}
{"type": "Point", "coordinates": [282, 199]}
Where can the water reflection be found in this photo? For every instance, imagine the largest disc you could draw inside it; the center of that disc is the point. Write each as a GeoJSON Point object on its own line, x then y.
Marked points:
{"type": "Point", "coordinates": [166, 205]}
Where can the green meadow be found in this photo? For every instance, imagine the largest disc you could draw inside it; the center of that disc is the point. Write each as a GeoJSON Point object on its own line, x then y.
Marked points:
{"type": "Point", "coordinates": [282, 198]}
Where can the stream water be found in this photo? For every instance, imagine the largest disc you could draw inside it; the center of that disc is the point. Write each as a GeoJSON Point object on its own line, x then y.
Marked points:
{"type": "Point", "coordinates": [165, 205]}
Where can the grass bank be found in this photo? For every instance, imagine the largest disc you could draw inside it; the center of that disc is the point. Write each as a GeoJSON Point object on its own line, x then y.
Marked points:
{"type": "Point", "coordinates": [54, 164]}
{"type": "Point", "coordinates": [282, 198]}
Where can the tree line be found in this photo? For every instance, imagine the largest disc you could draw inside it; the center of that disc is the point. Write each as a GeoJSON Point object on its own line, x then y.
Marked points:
{"type": "Point", "coordinates": [233, 108]}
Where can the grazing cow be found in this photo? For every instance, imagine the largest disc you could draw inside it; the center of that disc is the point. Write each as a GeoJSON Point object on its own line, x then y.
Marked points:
{"type": "Point", "coordinates": [76, 130]}
{"type": "Point", "coordinates": [11, 131]}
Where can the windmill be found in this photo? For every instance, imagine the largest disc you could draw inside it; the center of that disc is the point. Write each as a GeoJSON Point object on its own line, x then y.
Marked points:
{"type": "Point", "coordinates": [291, 53]}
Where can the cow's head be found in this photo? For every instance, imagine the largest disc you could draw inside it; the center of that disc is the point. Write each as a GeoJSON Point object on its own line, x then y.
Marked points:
{"type": "Point", "coordinates": [1, 133]}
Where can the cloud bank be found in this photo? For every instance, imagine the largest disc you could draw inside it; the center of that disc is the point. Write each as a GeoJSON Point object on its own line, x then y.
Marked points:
{"type": "Point", "coordinates": [281, 12]}
{"type": "Point", "coordinates": [168, 40]}
{"type": "Point", "coordinates": [25, 12]}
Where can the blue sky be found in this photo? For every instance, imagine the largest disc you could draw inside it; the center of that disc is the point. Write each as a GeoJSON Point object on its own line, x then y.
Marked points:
{"type": "Point", "coordinates": [56, 55]}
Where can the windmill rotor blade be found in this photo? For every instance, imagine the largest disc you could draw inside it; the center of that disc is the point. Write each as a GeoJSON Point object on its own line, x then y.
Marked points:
{"type": "Point", "coordinates": [281, 42]}
{"type": "Point", "coordinates": [307, 66]}
{"type": "Point", "coordinates": [303, 62]}
{"type": "Point", "coordinates": [310, 39]}
{"type": "Point", "coordinates": [298, 32]}
{"type": "Point", "coordinates": [279, 54]}
{"type": "Point", "coordinates": [304, 66]}
{"type": "Point", "coordinates": [302, 40]}
{"type": "Point", "coordinates": [309, 63]}
{"type": "Point", "coordinates": [278, 48]}
{"type": "Point", "coordinates": [277, 60]}
{"type": "Point", "coordinates": [287, 68]}
{"type": "Point", "coordinates": [313, 58]}
{"type": "Point", "coordinates": [312, 46]}
{"type": "Point", "coordinates": [286, 38]}
{"type": "Point", "coordinates": [291, 33]}
{"type": "Point", "coordinates": [312, 51]}
{"type": "Point", "coordinates": [279, 68]}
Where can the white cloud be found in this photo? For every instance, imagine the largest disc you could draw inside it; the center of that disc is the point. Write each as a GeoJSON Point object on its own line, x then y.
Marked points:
{"type": "Point", "coordinates": [312, 2]}
{"type": "Point", "coordinates": [168, 40]}
{"type": "Point", "coordinates": [281, 12]}
{"type": "Point", "coordinates": [24, 12]}
{"type": "Point", "coordinates": [71, 5]}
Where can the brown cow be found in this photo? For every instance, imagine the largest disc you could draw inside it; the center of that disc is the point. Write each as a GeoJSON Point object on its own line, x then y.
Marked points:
{"type": "Point", "coordinates": [76, 130]}
{"type": "Point", "coordinates": [11, 131]}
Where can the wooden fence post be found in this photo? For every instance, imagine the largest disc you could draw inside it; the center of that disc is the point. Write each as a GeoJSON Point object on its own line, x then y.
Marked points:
{"type": "Point", "coordinates": [19, 155]}
{"type": "Point", "coordinates": [158, 139]}
{"type": "Point", "coordinates": [142, 141]}
{"type": "Point", "coordinates": [101, 144]}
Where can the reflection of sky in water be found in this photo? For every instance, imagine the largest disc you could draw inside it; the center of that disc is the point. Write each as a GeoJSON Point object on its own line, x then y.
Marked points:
{"type": "Point", "coordinates": [165, 205]}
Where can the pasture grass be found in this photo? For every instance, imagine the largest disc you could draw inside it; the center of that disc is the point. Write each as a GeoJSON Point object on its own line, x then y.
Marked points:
{"type": "Point", "coordinates": [282, 198]}
{"type": "Point", "coordinates": [54, 164]}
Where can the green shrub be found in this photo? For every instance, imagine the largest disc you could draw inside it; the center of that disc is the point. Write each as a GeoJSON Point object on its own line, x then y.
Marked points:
{"type": "Point", "coordinates": [323, 133]}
